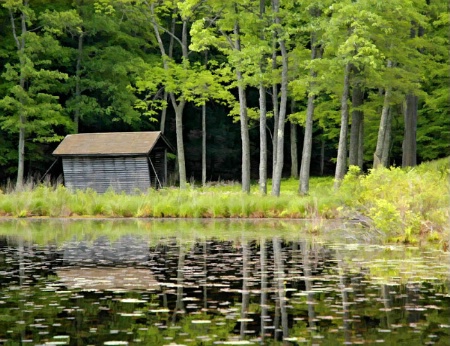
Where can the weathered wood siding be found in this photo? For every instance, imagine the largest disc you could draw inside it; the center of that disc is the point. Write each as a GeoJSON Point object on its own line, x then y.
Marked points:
{"type": "Point", "coordinates": [126, 174]}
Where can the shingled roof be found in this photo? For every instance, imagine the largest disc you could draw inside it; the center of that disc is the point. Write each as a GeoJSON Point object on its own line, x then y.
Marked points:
{"type": "Point", "coordinates": [107, 144]}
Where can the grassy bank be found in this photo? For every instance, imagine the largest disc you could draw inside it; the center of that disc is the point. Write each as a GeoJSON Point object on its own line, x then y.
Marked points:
{"type": "Point", "coordinates": [404, 204]}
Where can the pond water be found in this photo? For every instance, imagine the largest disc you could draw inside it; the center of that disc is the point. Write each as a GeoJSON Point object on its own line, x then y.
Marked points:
{"type": "Point", "coordinates": [99, 282]}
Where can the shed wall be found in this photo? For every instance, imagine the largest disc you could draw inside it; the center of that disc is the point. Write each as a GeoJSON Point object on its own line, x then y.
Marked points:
{"type": "Point", "coordinates": [101, 173]}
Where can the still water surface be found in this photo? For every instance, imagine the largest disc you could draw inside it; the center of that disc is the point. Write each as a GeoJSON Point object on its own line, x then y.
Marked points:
{"type": "Point", "coordinates": [216, 283]}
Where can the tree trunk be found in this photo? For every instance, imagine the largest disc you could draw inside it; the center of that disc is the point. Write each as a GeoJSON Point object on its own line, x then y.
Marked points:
{"type": "Point", "coordinates": [409, 146]}
{"type": "Point", "coordinates": [307, 147]}
{"type": "Point", "coordinates": [276, 179]}
{"type": "Point", "coordinates": [294, 151]}
{"type": "Point", "coordinates": [243, 119]}
{"type": "Point", "coordinates": [20, 43]}
{"type": "Point", "coordinates": [204, 145]}
{"type": "Point", "coordinates": [341, 164]}
{"type": "Point", "coordinates": [262, 140]}
{"type": "Point", "coordinates": [361, 144]}
{"type": "Point", "coordinates": [409, 157]}
{"type": "Point", "coordinates": [262, 119]}
{"type": "Point", "coordinates": [76, 117]}
{"type": "Point", "coordinates": [322, 155]}
{"type": "Point", "coordinates": [204, 134]}
{"type": "Point", "coordinates": [305, 165]}
{"type": "Point", "coordinates": [275, 112]}
{"type": "Point", "coordinates": [180, 145]}
{"type": "Point", "coordinates": [357, 119]}
{"type": "Point", "coordinates": [244, 135]}
{"type": "Point", "coordinates": [178, 106]}
{"type": "Point", "coordinates": [377, 156]}
{"type": "Point", "coordinates": [387, 140]}
{"type": "Point", "coordinates": [381, 140]}
{"type": "Point", "coordinates": [162, 126]}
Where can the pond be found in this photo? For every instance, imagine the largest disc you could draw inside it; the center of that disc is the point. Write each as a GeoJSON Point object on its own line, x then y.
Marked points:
{"type": "Point", "coordinates": [178, 282]}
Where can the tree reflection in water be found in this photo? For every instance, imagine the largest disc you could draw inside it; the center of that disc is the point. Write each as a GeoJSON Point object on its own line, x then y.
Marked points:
{"type": "Point", "coordinates": [206, 291]}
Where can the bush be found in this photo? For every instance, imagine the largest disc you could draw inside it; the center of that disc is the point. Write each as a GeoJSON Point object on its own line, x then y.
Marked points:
{"type": "Point", "coordinates": [402, 203]}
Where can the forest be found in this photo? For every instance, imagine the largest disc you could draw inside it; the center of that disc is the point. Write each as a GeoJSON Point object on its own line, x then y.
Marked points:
{"type": "Point", "coordinates": [245, 90]}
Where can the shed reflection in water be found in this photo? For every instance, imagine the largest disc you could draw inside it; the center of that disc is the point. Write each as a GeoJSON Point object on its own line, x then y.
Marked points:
{"type": "Point", "coordinates": [269, 290]}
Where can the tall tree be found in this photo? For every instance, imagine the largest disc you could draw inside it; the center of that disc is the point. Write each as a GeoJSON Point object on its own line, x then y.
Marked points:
{"type": "Point", "coordinates": [280, 35]}
{"type": "Point", "coordinates": [224, 28]}
{"type": "Point", "coordinates": [262, 113]}
{"type": "Point", "coordinates": [357, 125]}
{"type": "Point", "coordinates": [307, 139]}
{"type": "Point", "coordinates": [31, 108]}
{"type": "Point", "coordinates": [341, 163]}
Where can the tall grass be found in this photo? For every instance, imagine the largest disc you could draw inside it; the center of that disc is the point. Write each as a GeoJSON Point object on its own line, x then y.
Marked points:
{"type": "Point", "coordinates": [217, 201]}
{"type": "Point", "coordinates": [404, 204]}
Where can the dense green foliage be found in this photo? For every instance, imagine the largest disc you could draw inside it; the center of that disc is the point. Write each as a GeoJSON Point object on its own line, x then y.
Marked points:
{"type": "Point", "coordinates": [115, 65]}
{"type": "Point", "coordinates": [408, 204]}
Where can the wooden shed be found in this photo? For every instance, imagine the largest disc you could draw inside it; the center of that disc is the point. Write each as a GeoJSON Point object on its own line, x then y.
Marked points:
{"type": "Point", "coordinates": [123, 161]}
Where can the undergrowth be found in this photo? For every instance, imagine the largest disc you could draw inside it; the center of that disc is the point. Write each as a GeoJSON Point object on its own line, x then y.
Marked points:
{"type": "Point", "coordinates": [404, 204]}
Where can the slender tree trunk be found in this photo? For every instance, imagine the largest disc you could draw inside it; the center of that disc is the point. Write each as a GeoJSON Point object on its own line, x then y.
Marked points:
{"type": "Point", "coordinates": [243, 119]}
{"type": "Point", "coordinates": [276, 180]}
{"type": "Point", "coordinates": [275, 111]}
{"type": "Point", "coordinates": [21, 158]}
{"type": "Point", "coordinates": [262, 119]}
{"type": "Point", "coordinates": [305, 165]}
{"type": "Point", "coordinates": [409, 146]}
{"type": "Point", "coordinates": [377, 156]}
{"type": "Point", "coordinates": [357, 119]}
{"type": "Point", "coordinates": [387, 140]}
{"type": "Point", "coordinates": [204, 135]}
{"type": "Point", "coordinates": [322, 155]}
{"type": "Point", "coordinates": [178, 106]}
{"type": "Point", "coordinates": [204, 145]}
{"type": "Point", "coordinates": [361, 144]}
{"type": "Point", "coordinates": [20, 43]}
{"type": "Point", "coordinates": [294, 151]}
{"type": "Point", "coordinates": [76, 117]}
{"type": "Point", "coordinates": [262, 140]}
{"type": "Point", "coordinates": [180, 144]}
{"type": "Point", "coordinates": [244, 135]}
{"type": "Point", "coordinates": [381, 140]}
{"type": "Point", "coordinates": [307, 148]}
{"type": "Point", "coordinates": [409, 157]}
{"type": "Point", "coordinates": [162, 125]}
{"type": "Point", "coordinates": [341, 165]}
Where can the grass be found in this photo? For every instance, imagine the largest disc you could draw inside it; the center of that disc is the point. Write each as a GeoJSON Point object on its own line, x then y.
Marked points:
{"type": "Point", "coordinates": [404, 204]}
{"type": "Point", "coordinates": [217, 201]}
